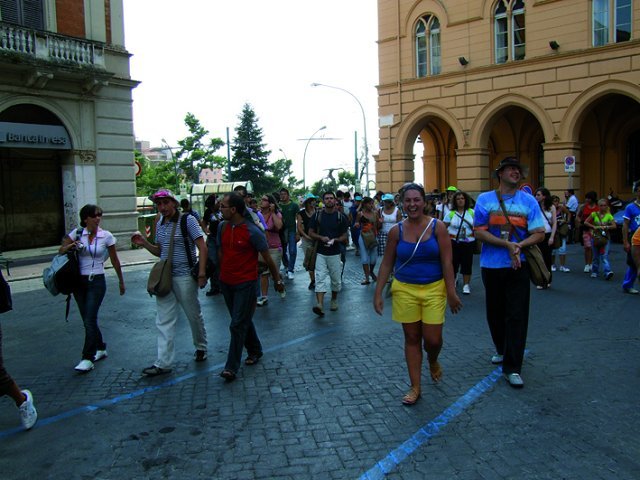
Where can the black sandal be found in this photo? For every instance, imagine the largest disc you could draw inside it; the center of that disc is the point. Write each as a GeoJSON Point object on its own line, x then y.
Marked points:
{"type": "Point", "coordinates": [253, 359]}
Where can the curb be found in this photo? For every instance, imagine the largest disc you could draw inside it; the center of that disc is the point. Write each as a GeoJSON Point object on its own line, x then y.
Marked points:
{"type": "Point", "coordinates": [11, 279]}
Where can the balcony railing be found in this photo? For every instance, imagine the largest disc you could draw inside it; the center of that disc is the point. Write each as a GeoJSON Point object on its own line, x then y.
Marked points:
{"type": "Point", "coordinates": [50, 47]}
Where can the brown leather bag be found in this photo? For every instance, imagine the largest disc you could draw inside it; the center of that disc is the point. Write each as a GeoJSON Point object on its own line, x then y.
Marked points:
{"type": "Point", "coordinates": [160, 277]}
{"type": "Point", "coordinates": [538, 272]}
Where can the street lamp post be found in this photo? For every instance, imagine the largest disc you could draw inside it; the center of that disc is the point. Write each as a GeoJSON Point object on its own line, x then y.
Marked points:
{"type": "Point", "coordinates": [304, 157]}
{"type": "Point", "coordinates": [175, 165]}
{"type": "Point", "coordinates": [364, 126]}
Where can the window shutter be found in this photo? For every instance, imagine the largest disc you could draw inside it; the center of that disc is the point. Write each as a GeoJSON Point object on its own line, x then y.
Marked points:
{"type": "Point", "coordinates": [9, 11]}
{"type": "Point", "coordinates": [32, 16]}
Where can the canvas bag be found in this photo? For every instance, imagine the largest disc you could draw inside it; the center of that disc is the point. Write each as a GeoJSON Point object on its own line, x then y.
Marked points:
{"type": "Point", "coordinates": [538, 272]}
{"type": "Point", "coordinates": [160, 278]}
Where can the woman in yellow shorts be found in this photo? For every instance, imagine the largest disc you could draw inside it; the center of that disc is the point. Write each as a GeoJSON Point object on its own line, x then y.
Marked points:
{"type": "Point", "coordinates": [419, 252]}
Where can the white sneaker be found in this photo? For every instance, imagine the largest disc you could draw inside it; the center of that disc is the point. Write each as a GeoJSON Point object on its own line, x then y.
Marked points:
{"type": "Point", "coordinates": [514, 379]}
{"type": "Point", "coordinates": [496, 359]}
{"type": "Point", "coordinates": [594, 275]}
{"type": "Point", "coordinates": [28, 413]}
{"type": "Point", "coordinates": [564, 269]}
{"type": "Point", "coordinates": [587, 268]}
{"type": "Point", "coordinates": [466, 290]}
{"type": "Point", "coordinates": [84, 366]}
{"type": "Point", "coordinates": [553, 268]}
{"type": "Point", "coordinates": [262, 301]}
{"type": "Point", "coordinates": [100, 355]}
{"type": "Point", "coordinates": [290, 275]}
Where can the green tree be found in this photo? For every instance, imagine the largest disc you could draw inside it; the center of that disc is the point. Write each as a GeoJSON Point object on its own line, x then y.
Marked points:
{"type": "Point", "coordinates": [249, 160]}
{"type": "Point", "coordinates": [282, 176]}
{"type": "Point", "coordinates": [196, 152]}
{"type": "Point", "coordinates": [154, 176]}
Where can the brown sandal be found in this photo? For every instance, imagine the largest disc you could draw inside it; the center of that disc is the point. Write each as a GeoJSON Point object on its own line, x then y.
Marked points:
{"type": "Point", "coordinates": [436, 371]}
{"type": "Point", "coordinates": [411, 397]}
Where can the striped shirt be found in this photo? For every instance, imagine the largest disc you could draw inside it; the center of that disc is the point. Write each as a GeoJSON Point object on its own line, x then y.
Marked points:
{"type": "Point", "coordinates": [180, 263]}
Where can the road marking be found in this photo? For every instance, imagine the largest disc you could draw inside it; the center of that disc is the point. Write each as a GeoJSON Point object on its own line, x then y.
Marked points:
{"type": "Point", "coordinates": [153, 388]}
{"type": "Point", "coordinates": [431, 429]}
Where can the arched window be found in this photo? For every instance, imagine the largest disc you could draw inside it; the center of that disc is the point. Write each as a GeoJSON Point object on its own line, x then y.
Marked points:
{"type": "Point", "coordinates": [509, 31]}
{"type": "Point", "coordinates": [428, 56]}
{"type": "Point", "coordinates": [611, 21]}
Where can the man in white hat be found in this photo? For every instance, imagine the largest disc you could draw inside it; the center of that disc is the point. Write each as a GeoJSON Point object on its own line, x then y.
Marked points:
{"type": "Point", "coordinates": [184, 290]}
{"type": "Point", "coordinates": [505, 273]}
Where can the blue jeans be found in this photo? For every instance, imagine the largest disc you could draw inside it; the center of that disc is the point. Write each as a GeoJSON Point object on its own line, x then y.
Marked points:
{"type": "Point", "coordinates": [290, 250]}
{"type": "Point", "coordinates": [89, 298]}
{"type": "Point", "coordinates": [600, 258]}
{"type": "Point", "coordinates": [241, 303]}
{"type": "Point", "coordinates": [631, 274]}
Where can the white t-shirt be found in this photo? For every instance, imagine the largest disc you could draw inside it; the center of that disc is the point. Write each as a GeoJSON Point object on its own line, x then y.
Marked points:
{"type": "Point", "coordinates": [92, 256]}
{"type": "Point", "coordinates": [454, 220]}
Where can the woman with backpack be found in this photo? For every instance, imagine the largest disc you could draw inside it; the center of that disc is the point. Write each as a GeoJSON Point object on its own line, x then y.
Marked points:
{"type": "Point", "coordinates": [93, 246]}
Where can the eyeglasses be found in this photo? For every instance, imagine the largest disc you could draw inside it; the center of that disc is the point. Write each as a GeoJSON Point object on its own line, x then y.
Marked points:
{"type": "Point", "coordinates": [224, 206]}
{"type": "Point", "coordinates": [96, 215]}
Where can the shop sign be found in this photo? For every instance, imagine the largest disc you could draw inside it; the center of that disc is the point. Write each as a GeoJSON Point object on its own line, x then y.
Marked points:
{"type": "Point", "coordinates": [27, 135]}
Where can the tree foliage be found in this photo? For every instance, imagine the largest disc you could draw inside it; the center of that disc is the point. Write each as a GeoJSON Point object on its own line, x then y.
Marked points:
{"type": "Point", "coordinates": [249, 160]}
{"type": "Point", "coordinates": [154, 176]}
{"type": "Point", "coordinates": [196, 152]}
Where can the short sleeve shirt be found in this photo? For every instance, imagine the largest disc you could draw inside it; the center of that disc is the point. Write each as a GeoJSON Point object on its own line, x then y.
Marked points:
{"type": "Point", "coordinates": [332, 225]}
{"type": "Point", "coordinates": [180, 263]}
{"type": "Point", "coordinates": [632, 213]}
{"type": "Point", "coordinates": [524, 215]}
{"type": "Point", "coordinates": [92, 257]}
{"type": "Point", "coordinates": [289, 212]}
{"type": "Point", "coordinates": [455, 223]}
{"type": "Point", "coordinates": [239, 246]}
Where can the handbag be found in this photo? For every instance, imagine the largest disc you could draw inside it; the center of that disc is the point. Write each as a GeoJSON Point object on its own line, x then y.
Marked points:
{"type": "Point", "coordinates": [538, 272]}
{"type": "Point", "coordinates": [600, 238]}
{"type": "Point", "coordinates": [369, 239]}
{"type": "Point", "coordinates": [563, 229]}
{"type": "Point", "coordinates": [5, 295]}
{"type": "Point", "coordinates": [160, 277]}
{"type": "Point", "coordinates": [309, 262]}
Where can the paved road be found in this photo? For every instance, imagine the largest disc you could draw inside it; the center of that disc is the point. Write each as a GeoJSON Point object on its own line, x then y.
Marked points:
{"type": "Point", "coordinates": [324, 402]}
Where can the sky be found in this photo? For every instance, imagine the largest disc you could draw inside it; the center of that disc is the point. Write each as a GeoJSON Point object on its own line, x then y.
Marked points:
{"type": "Point", "coordinates": [210, 57]}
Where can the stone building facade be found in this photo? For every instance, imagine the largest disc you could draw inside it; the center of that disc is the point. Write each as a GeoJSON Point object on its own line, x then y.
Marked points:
{"type": "Point", "coordinates": [66, 128]}
{"type": "Point", "coordinates": [475, 81]}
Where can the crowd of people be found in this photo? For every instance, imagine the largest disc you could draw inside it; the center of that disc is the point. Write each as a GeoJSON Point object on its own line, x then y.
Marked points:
{"type": "Point", "coordinates": [416, 247]}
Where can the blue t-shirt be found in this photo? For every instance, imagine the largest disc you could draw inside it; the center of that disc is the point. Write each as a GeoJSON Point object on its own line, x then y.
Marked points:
{"type": "Point", "coordinates": [524, 214]}
{"type": "Point", "coordinates": [632, 213]}
{"type": "Point", "coordinates": [425, 266]}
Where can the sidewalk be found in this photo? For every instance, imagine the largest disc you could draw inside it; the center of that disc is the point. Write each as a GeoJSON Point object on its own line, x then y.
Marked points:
{"type": "Point", "coordinates": [25, 269]}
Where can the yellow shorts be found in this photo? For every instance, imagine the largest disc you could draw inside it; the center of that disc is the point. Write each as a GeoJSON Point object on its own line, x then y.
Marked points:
{"type": "Point", "coordinates": [413, 303]}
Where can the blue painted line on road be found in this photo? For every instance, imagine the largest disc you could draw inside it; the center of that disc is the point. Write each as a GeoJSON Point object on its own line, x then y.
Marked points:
{"type": "Point", "coordinates": [153, 388]}
{"type": "Point", "coordinates": [431, 429]}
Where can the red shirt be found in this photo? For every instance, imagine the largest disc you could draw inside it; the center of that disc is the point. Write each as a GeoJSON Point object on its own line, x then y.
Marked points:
{"type": "Point", "coordinates": [587, 211]}
{"type": "Point", "coordinates": [239, 246]}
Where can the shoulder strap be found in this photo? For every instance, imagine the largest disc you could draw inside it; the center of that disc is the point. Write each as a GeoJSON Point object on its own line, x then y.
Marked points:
{"type": "Point", "coordinates": [461, 222]}
{"type": "Point", "coordinates": [506, 215]}
{"type": "Point", "coordinates": [185, 234]}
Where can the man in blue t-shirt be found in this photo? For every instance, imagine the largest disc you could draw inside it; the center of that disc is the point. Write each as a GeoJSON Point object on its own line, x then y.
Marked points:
{"type": "Point", "coordinates": [630, 224]}
{"type": "Point", "coordinates": [505, 273]}
{"type": "Point", "coordinates": [329, 228]}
